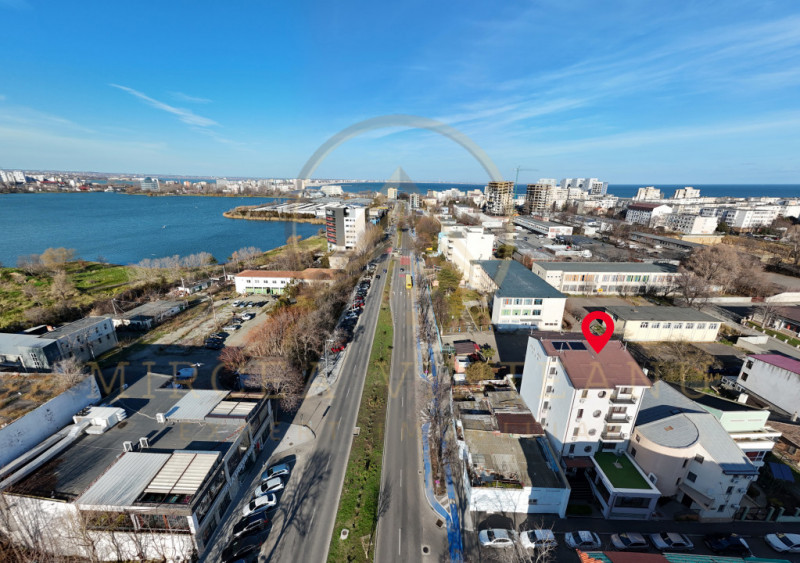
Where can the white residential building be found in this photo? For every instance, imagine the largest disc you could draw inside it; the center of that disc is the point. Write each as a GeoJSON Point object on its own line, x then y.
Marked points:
{"type": "Point", "coordinates": [150, 184]}
{"type": "Point", "coordinates": [663, 324]}
{"type": "Point", "coordinates": [608, 278]}
{"type": "Point", "coordinates": [331, 190]}
{"type": "Point", "coordinates": [274, 282]}
{"type": "Point", "coordinates": [689, 455]}
{"type": "Point", "coordinates": [648, 193]}
{"type": "Point", "coordinates": [345, 225]}
{"type": "Point", "coordinates": [592, 186]}
{"type": "Point", "coordinates": [690, 224]}
{"type": "Point", "coordinates": [414, 200]}
{"type": "Point", "coordinates": [463, 245]}
{"type": "Point", "coordinates": [546, 228]}
{"type": "Point", "coordinates": [686, 193]}
{"type": "Point", "coordinates": [646, 213]}
{"type": "Point", "coordinates": [391, 193]}
{"type": "Point", "coordinates": [771, 379]}
{"type": "Point", "coordinates": [519, 297]}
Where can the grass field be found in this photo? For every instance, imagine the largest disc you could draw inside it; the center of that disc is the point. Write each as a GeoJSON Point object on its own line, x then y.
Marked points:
{"type": "Point", "coordinates": [358, 505]}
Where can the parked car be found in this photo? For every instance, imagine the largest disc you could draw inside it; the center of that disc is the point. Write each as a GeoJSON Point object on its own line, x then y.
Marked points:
{"type": "Point", "coordinates": [260, 504]}
{"type": "Point", "coordinates": [666, 541]}
{"type": "Point", "coordinates": [278, 470]}
{"type": "Point", "coordinates": [385, 270]}
{"type": "Point", "coordinates": [728, 544]}
{"type": "Point", "coordinates": [271, 485]}
{"type": "Point", "coordinates": [248, 316]}
{"type": "Point", "coordinates": [243, 546]}
{"type": "Point", "coordinates": [214, 344]}
{"type": "Point", "coordinates": [582, 539]}
{"type": "Point", "coordinates": [232, 328]}
{"type": "Point", "coordinates": [629, 541]}
{"type": "Point", "coordinates": [538, 539]}
{"type": "Point", "coordinates": [496, 537]}
{"type": "Point", "coordinates": [252, 524]}
{"type": "Point", "coordinates": [222, 335]}
{"type": "Point", "coordinates": [378, 276]}
{"type": "Point", "coordinates": [784, 542]}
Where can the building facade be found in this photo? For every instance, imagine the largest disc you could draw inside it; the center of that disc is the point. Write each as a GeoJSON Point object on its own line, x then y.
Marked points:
{"type": "Point", "coordinates": [544, 228]}
{"type": "Point", "coordinates": [663, 324]}
{"type": "Point", "coordinates": [500, 198]}
{"type": "Point", "coordinates": [463, 245]}
{"type": "Point", "coordinates": [344, 226]}
{"type": "Point", "coordinates": [771, 379]}
{"type": "Point", "coordinates": [648, 214]}
{"type": "Point", "coordinates": [690, 224]}
{"type": "Point", "coordinates": [608, 278]}
{"type": "Point", "coordinates": [275, 282]}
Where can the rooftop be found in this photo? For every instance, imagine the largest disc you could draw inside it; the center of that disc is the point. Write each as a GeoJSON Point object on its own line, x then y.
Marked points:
{"type": "Point", "coordinates": [74, 470]}
{"type": "Point", "coordinates": [515, 280]}
{"type": "Point", "coordinates": [644, 206]}
{"type": "Point", "coordinates": [307, 274]}
{"type": "Point", "coordinates": [153, 308]}
{"type": "Point", "coordinates": [779, 360]}
{"type": "Point", "coordinates": [791, 313]}
{"type": "Point", "coordinates": [667, 240]}
{"type": "Point", "coordinates": [653, 313]}
{"type": "Point", "coordinates": [503, 456]}
{"type": "Point", "coordinates": [632, 267]}
{"type": "Point", "coordinates": [586, 369]}
{"type": "Point", "coordinates": [621, 471]}
{"type": "Point", "coordinates": [74, 327]}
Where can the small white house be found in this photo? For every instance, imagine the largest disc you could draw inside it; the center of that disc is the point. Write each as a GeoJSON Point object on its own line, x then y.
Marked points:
{"type": "Point", "coordinates": [661, 324]}
{"type": "Point", "coordinates": [274, 282]}
{"type": "Point", "coordinates": [772, 379]}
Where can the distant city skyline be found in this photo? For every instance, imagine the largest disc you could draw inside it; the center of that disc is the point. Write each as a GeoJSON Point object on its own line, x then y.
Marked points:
{"type": "Point", "coordinates": [630, 93]}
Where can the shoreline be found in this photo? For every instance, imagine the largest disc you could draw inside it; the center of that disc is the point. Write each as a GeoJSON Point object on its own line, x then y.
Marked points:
{"type": "Point", "coordinates": [239, 213]}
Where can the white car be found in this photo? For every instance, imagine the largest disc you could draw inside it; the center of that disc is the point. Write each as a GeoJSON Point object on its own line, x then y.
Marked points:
{"type": "Point", "coordinates": [496, 537]}
{"type": "Point", "coordinates": [272, 485]}
{"type": "Point", "coordinates": [260, 504]}
{"type": "Point", "coordinates": [582, 539]}
{"type": "Point", "coordinates": [629, 541]}
{"type": "Point", "coordinates": [784, 542]}
{"type": "Point", "coordinates": [538, 539]}
{"type": "Point", "coordinates": [666, 541]}
{"type": "Point", "coordinates": [275, 471]}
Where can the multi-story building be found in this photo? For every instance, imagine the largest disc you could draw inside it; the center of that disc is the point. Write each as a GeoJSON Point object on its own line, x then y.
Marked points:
{"type": "Point", "coordinates": [519, 297]}
{"type": "Point", "coordinates": [592, 186]}
{"type": "Point", "coordinates": [661, 324]}
{"type": "Point", "coordinates": [500, 198]}
{"type": "Point", "coordinates": [331, 190]}
{"type": "Point", "coordinates": [587, 403]}
{"type": "Point", "coordinates": [414, 200]}
{"type": "Point", "coordinates": [690, 224]}
{"type": "Point", "coordinates": [689, 454]}
{"type": "Point", "coordinates": [648, 193]}
{"type": "Point", "coordinates": [646, 213]}
{"type": "Point", "coordinates": [41, 348]}
{"type": "Point", "coordinates": [539, 198]}
{"type": "Point", "coordinates": [686, 193]}
{"type": "Point", "coordinates": [149, 477]}
{"type": "Point", "coordinates": [608, 278]}
{"type": "Point", "coordinates": [464, 245]}
{"type": "Point", "coordinates": [150, 184]}
{"type": "Point", "coordinates": [274, 282]}
{"type": "Point", "coordinates": [546, 228]}
{"type": "Point", "coordinates": [344, 225]}
{"type": "Point", "coordinates": [743, 218]}
{"type": "Point", "coordinates": [772, 380]}
{"type": "Point", "coordinates": [391, 193]}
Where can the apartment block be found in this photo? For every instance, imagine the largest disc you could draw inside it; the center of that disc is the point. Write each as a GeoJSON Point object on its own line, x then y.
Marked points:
{"type": "Point", "coordinates": [663, 324]}
{"type": "Point", "coordinates": [500, 198]}
{"type": "Point", "coordinates": [690, 224]}
{"type": "Point", "coordinates": [686, 193]}
{"type": "Point", "coordinates": [344, 225]}
{"type": "Point", "coordinates": [772, 380]}
{"type": "Point", "coordinates": [608, 278]}
{"type": "Point", "coordinates": [648, 193]}
{"type": "Point", "coordinates": [464, 245]}
{"type": "Point", "coordinates": [648, 214]}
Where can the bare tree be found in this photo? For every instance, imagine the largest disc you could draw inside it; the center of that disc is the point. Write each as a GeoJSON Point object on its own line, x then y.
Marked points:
{"type": "Point", "coordinates": [62, 289]}
{"type": "Point", "coordinates": [278, 378]}
{"type": "Point", "coordinates": [693, 289]}
{"type": "Point", "coordinates": [233, 358]}
{"type": "Point", "coordinates": [55, 259]}
{"type": "Point", "coordinates": [69, 372]}
{"type": "Point", "coordinates": [246, 256]}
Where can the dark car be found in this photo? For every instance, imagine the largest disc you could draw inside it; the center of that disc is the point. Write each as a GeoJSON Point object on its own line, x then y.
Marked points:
{"type": "Point", "coordinates": [727, 544]}
{"type": "Point", "coordinates": [215, 344]}
{"type": "Point", "coordinates": [252, 524]}
{"type": "Point", "coordinates": [243, 546]}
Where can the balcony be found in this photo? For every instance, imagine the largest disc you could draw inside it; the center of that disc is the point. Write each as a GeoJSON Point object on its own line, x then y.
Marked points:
{"type": "Point", "coordinates": [622, 399]}
{"type": "Point", "coordinates": [618, 417]}
{"type": "Point", "coordinates": [613, 436]}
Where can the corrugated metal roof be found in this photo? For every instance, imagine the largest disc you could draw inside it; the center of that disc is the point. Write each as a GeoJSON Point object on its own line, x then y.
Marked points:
{"type": "Point", "coordinates": [236, 409]}
{"type": "Point", "coordinates": [124, 481]}
{"type": "Point", "coordinates": [183, 473]}
{"type": "Point", "coordinates": [631, 267]}
{"type": "Point", "coordinates": [196, 404]}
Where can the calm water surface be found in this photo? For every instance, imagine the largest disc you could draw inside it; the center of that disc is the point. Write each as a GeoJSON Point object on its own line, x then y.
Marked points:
{"type": "Point", "coordinates": [125, 229]}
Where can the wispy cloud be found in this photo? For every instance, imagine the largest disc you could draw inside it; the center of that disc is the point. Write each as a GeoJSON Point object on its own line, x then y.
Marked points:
{"type": "Point", "coordinates": [187, 98]}
{"type": "Point", "coordinates": [185, 115]}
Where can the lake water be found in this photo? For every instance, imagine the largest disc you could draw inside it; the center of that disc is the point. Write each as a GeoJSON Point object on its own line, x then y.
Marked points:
{"type": "Point", "coordinates": [125, 229]}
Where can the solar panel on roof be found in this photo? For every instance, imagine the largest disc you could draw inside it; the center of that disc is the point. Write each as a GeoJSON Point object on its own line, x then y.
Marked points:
{"type": "Point", "coordinates": [577, 346]}
{"type": "Point", "coordinates": [560, 345]}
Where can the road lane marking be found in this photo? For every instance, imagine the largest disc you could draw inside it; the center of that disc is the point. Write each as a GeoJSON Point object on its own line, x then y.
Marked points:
{"type": "Point", "coordinates": [401, 477]}
{"type": "Point", "coordinates": [399, 539]}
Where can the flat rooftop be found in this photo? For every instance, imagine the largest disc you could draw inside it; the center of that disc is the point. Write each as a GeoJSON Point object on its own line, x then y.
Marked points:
{"type": "Point", "coordinates": [610, 267]}
{"type": "Point", "coordinates": [658, 313]}
{"type": "Point", "coordinates": [152, 308]}
{"type": "Point", "coordinates": [515, 280]}
{"type": "Point", "coordinates": [73, 327]}
{"type": "Point", "coordinates": [503, 456]}
{"type": "Point", "coordinates": [621, 471]}
{"type": "Point", "coordinates": [71, 472]}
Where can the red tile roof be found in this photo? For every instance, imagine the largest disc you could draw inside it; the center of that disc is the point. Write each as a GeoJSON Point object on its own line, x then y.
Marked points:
{"type": "Point", "coordinates": [586, 369]}
{"type": "Point", "coordinates": [778, 360]}
{"type": "Point", "coordinates": [518, 423]}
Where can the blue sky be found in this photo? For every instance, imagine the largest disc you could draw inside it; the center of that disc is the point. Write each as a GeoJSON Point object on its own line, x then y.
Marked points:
{"type": "Point", "coordinates": [630, 92]}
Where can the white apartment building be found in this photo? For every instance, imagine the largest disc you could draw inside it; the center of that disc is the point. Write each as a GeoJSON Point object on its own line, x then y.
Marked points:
{"type": "Point", "coordinates": [686, 193]}
{"type": "Point", "coordinates": [275, 282]}
{"type": "Point", "coordinates": [586, 402]}
{"type": "Point", "coordinates": [331, 190]}
{"type": "Point", "coordinates": [608, 278]}
{"type": "Point", "coordinates": [345, 225]}
{"type": "Point", "coordinates": [689, 455]}
{"type": "Point", "coordinates": [646, 213]}
{"type": "Point", "coordinates": [690, 224]}
{"type": "Point", "coordinates": [743, 218]}
{"type": "Point", "coordinates": [149, 184]}
{"type": "Point", "coordinates": [592, 186]}
{"type": "Point", "coordinates": [391, 193]}
{"type": "Point", "coordinates": [663, 324]}
{"type": "Point", "coordinates": [463, 245]}
{"type": "Point", "coordinates": [648, 193]}
{"type": "Point", "coordinates": [519, 297]}
{"type": "Point", "coordinates": [770, 379]}
{"type": "Point", "coordinates": [414, 200]}
{"type": "Point", "coordinates": [500, 198]}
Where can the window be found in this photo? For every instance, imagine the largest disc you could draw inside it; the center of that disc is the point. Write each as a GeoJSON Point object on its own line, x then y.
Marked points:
{"type": "Point", "coordinates": [685, 461]}
{"type": "Point", "coordinates": [721, 508]}
{"type": "Point", "coordinates": [592, 431]}
{"type": "Point", "coordinates": [643, 324]}
{"type": "Point", "coordinates": [729, 490]}
{"type": "Point", "coordinates": [633, 452]}
{"type": "Point", "coordinates": [587, 449]}
{"type": "Point", "coordinates": [601, 394]}
{"type": "Point", "coordinates": [537, 301]}
{"type": "Point", "coordinates": [701, 326]}
{"type": "Point", "coordinates": [517, 301]}
{"type": "Point", "coordinates": [656, 325]}
{"type": "Point", "coordinates": [596, 414]}
{"type": "Point", "coordinates": [678, 482]}
{"type": "Point", "coordinates": [552, 371]}
{"type": "Point", "coordinates": [791, 450]}
{"type": "Point", "coordinates": [580, 414]}
{"type": "Point", "coordinates": [572, 448]}
{"type": "Point", "coordinates": [691, 477]}
{"type": "Point", "coordinates": [637, 438]}
{"type": "Point", "coordinates": [749, 364]}
{"type": "Point", "coordinates": [699, 459]}
{"type": "Point", "coordinates": [584, 394]}
{"type": "Point", "coordinates": [678, 326]}
{"type": "Point", "coordinates": [549, 389]}
{"type": "Point", "coordinates": [689, 325]}
{"type": "Point", "coordinates": [712, 326]}
{"type": "Point", "coordinates": [744, 376]}
{"type": "Point", "coordinates": [575, 432]}
{"type": "Point", "coordinates": [537, 312]}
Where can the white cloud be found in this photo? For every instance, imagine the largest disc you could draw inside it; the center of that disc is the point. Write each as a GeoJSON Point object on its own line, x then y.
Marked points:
{"type": "Point", "coordinates": [191, 99]}
{"type": "Point", "coordinates": [185, 115]}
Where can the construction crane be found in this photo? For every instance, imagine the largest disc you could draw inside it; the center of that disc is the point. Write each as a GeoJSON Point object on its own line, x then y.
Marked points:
{"type": "Point", "coordinates": [520, 168]}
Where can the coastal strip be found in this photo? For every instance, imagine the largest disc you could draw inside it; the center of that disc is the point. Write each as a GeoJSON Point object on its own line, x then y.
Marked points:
{"type": "Point", "coordinates": [248, 212]}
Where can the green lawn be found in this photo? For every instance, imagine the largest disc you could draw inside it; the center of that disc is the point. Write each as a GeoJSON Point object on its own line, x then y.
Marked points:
{"type": "Point", "coordinates": [625, 477]}
{"type": "Point", "coordinates": [358, 505]}
{"type": "Point", "coordinates": [98, 277]}
{"type": "Point", "coordinates": [775, 334]}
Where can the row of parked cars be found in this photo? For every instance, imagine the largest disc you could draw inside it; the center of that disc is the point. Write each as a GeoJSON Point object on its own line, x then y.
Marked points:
{"type": "Point", "coordinates": [720, 544]}
{"type": "Point", "coordinates": [350, 319]}
{"type": "Point", "coordinates": [252, 530]}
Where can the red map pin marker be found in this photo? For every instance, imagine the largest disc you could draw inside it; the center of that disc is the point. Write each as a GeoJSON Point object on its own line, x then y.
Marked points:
{"type": "Point", "coordinates": [597, 341]}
